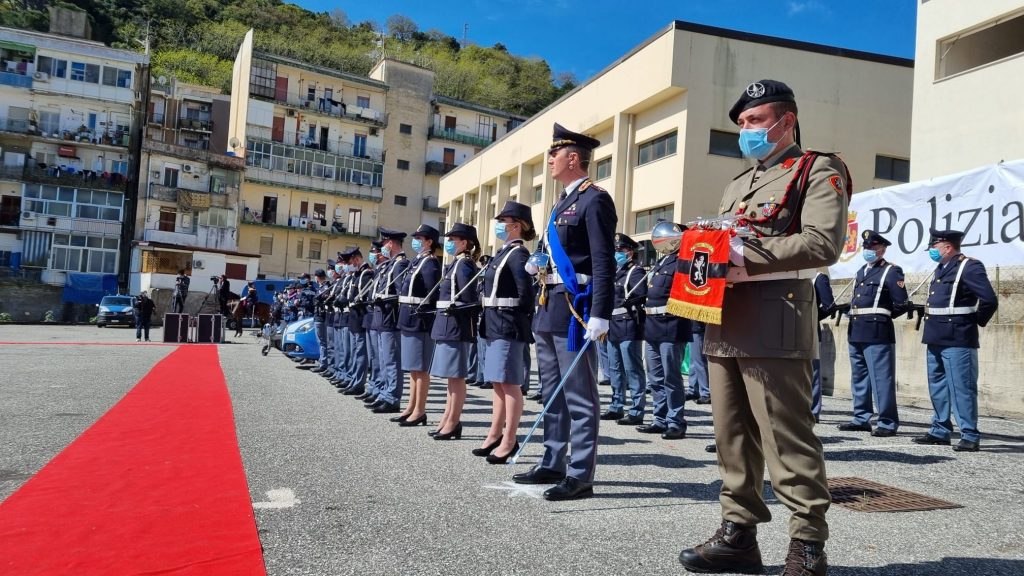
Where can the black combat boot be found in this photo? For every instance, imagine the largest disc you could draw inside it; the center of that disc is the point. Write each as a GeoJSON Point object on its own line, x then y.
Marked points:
{"type": "Point", "coordinates": [733, 548]}
{"type": "Point", "coordinates": [805, 559]}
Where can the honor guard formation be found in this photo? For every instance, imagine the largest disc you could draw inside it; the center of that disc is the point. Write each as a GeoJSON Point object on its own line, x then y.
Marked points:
{"type": "Point", "coordinates": [425, 305]}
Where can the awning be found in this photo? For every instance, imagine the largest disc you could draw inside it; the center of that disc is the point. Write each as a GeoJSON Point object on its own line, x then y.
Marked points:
{"type": "Point", "coordinates": [7, 44]}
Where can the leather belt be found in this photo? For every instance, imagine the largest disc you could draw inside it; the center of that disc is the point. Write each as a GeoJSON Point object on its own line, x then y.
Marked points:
{"type": "Point", "coordinates": [738, 274]}
{"type": "Point", "coordinates": [496, 302]}
{"type": "Point", "coordinates": [952, 310]}
{"type": "Point", "coordinates": [862, 311]}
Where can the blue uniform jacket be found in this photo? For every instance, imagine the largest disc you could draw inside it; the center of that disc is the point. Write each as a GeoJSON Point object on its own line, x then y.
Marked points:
{"type": "Point", "coordinates": [457, 323]}
{"type": "Point", "coordinates": [385, 294]}
{"type": "Point", "coordinates": [960, 330]}
{"type": "Point", "coordinates": [424, 274]}
{"type": "Point", "coordinates": [876, 328]}
{"type": "Point", "coordinates": [357, 310]}
{"type": "Point", "coordinates": [509, 323]}
{"type": "Point", "coordinates": [629, 325]}
{"type": "Point", "coordinates": [662, 326]}
{"type": "Point", "coordinates": [823, 295]}
{"type": "Point", "coordinates": [585, 222]}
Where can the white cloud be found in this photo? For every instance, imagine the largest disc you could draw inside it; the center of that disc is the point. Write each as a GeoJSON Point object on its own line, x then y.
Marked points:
{"type": "Point", "coordinates": [797, 7]}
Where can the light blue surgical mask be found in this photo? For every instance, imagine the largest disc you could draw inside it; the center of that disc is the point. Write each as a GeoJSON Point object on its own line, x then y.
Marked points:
{"type": "Point", "coordinates": [501, 230]}
{"type": "Point", "coordinates": [869, 255]}
{"type": "Point", "coordinates": [449, 247]}
{"type": "Point", "coordinates": [386, 251]}
{"type": "Point", "coordinates": [934, 254]}
{"type": "Point", "coordinates": [621, 258]}
{"type": "Point", "coordinates": [417, 245]}
{"type": "Point", "coordinates": [754, 142]}
{"type": "Point", "coordinates": [373, 258]}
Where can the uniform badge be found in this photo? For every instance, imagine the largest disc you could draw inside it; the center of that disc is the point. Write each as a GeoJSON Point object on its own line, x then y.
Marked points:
{"type": "Point", "coordinates": [837, 184]}
{"type": "Point", "coordinates": [699, 268]}
{"type": "Point", "coordinates": [755, 90]}
{"type": "Point", "coordinates": [766, 210]}
{"type": "Point", "coordinates": [789, 163]}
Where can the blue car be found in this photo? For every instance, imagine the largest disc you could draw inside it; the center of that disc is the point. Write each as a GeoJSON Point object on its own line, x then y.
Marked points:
{"type": "Point", "coordinates": [115, 311]}
{"type": "Point", "coordinates": [299, 340]}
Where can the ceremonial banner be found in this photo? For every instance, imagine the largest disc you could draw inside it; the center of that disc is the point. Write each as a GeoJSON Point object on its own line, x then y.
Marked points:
{"type": "Point", "coordinates": [987, 204]}
{"type": "Point", "coordinates": [698, 286]}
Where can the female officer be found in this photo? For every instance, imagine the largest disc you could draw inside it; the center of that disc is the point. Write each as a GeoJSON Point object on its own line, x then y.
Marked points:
{"type": "Point", "coordinates": [417, 295]}
{"type": "Point", "coordinates": [508, 313]}
{"type": "Point", "coordinates": [625, 337]}
{"type": "Point", "coordinates": [454, 331]}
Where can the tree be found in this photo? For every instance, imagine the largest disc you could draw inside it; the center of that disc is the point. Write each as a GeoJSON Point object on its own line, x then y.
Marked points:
{"type": "Point", "coordinates": [339, 18]}
{"type": "Point", "coordinates": [401, 27]}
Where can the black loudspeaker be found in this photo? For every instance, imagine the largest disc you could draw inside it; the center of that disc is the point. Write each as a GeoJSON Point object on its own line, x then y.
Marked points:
{"type": "Point", "coordinates": [175, 328]}
{"type": "Point", "coordinates": [210, 329]}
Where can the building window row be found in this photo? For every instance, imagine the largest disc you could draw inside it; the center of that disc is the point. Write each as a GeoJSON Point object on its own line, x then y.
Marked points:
{"type": "Point", "coordinates": [657, 148]}
{"type": "Point", "coordinates": [84, 253]}
{"type": "Point", "coordinates": [80, 203]}
{"type": "Point", "coordinates": [405, 128]}
{"type": "Point", "coordinates": [895, 169]}
{"type": "Point", "coordinates": [84, 72]}
{"type": "Point", "coordinates": [314, 164]}
{"type": "Point", "coordinates": [604, 168]}
{"type": "Point", "coordinates": [646, 219]}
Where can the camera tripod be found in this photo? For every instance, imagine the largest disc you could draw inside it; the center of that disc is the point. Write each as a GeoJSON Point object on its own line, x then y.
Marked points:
{"type": "Point", "coordinates": [229, 321]}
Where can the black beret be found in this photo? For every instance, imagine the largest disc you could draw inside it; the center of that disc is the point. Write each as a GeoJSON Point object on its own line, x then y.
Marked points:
{"type": "Point", "coordinates": [954, 236]}
{"type": "Point", "coordinates": [624, 241]}
{"type": "Point", "coordinates": [758, 93]}
{"type": "Point", "coordinates": [871, 237]}
{"type": "Point", "coordinates": [563, 137]}
{"type": "Point", "coordinates": [516, 210]}
{"type": "Point", "coordinates": [428, 232]}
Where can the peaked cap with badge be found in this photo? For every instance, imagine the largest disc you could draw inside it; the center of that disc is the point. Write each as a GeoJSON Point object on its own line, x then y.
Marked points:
{"type": "Point", "coordinates": [871, 237]}
{"type": "Point", "coordinates": [564, 137]}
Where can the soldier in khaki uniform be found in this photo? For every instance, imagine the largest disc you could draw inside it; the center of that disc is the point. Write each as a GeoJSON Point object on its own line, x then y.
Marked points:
{"type": "Point", "coordinates": [759, 358]}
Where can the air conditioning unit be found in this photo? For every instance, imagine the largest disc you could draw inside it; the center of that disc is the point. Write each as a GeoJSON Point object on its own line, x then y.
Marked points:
{"type": "Point", "coordinates": [197, 264]}
{"type": "Point", "coordinates": [41, 77]}
{"type": "Point", "coordinates": [28, 216]}
{"type": "Point", "coordinates": [187, 168]}
{"type": "Point", "coordinates": [291, 112]}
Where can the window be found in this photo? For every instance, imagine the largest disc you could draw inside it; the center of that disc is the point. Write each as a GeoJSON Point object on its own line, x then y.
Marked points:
{"type": "Point", "coordinates": [405, 128]}
{"type": "Point", "coordinates": [124, 78]}
{"type": "Point", "coordinates": [355, 220]}
{"type": "Point", "coordinates": [266, 245]}
{"type": "Point", "coordinates": [311, 93]}
{"type": "Point", "coordinates": [109, 76]}
{"type": "Point", "coordinates": [78, 71]}
{"type": "Point", "coordinates": [49, 122]}
{"type": "Point", "coordinates": [314, 248]}
{"type": "Point", "coordinates": [604, 168]}
{"type": "Point", "coordinates": [83, 253]}
{"type": "Point", "coordinates": [5, 258]}
{"type": "Point", "coordinates": [60, 68]}
{"type": "Point", "coordinates": [304, 209]}
{"type": "Point", "coordinates": [320, 212]}
{"type": "Point", "coordinates": [363, 101]}
{"type": "Point", "coordinates": [895, 169]}
{"type": "Point", "coordinates": [538, 192]}
{"type": "Point", "coordinates": [217, 217]}
{"type": "Point", "coordinates": [484, 127]}
{"type": "Point", "coordinates": [119, 167]}
{"type": "Point", "coordinates": [971, 49]}
{"type": "Point", "coordinates": [646, 219]}
{"type": "Point", "coordinates": [724, 144]}
{"type": "Point", "coordinates": [44, 64]}
{"type": "Point", "coordinates": [236, 271]}
{"type": "Point", "coordinates": [298, 248]}
{"type": "Point", "coordinates": [263, 78]}
{"type": "Point", "coordinates": [168, 217]}
{"type": "Point", "coordinates": [657, 149]}
{"type": "Point", "coordinates": [401, 200]}
{"type": "Point", "coordinates": [92, 73]}
{"type": "Point", "coordinates": [403, 164]}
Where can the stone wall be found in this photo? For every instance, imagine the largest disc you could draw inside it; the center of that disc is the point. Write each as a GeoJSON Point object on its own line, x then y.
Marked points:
{"type": "Point", "coordinates": [30, 300]}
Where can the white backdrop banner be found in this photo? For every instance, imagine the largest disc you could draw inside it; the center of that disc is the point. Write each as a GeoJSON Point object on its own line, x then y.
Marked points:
{"type": "Point", "coordinates": [987, 204]}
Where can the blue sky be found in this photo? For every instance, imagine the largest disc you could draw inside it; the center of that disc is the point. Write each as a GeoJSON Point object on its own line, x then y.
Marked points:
{"type": "Point", "coordinates": [584, 37]}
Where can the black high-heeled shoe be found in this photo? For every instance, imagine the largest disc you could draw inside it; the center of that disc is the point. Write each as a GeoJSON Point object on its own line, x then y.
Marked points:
{"type": "Point", "coordinates": [456, 433]}
{"type": "Point", "coordinates": [433, 433]}
{"type": "Point", "coordinates": [400, 418]}
{"type": "Point", "coordinates": [487, 449]}
{"type": "Point", "coordinates": [494, 459]}
{"type": "Point", "coordinates": [421, 420]}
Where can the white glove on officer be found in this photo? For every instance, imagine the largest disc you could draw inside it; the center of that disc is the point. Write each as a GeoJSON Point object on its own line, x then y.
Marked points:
{"type": "Point", "coordinates": [736, 251]}
{"type": "Point", "coordinates": [596, 327]}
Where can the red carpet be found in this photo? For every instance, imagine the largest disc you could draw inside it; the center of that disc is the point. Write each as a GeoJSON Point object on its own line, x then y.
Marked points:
{"type": "Point", "coordinates": [155, 486]}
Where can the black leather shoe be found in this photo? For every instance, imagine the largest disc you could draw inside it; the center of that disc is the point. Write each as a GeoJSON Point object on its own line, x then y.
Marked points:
{"type": "Point", "coordinates": [370, 400]}
{"type": "Point", "coordinates": [486, 450]}
{"type": "Point", "coordinates": [883, 433]}
{"type": "Point", "coordinates": [454, 434]}
{"type": "Point", "coordinates": [711, 448]}
{"type": "Point", "coordinates": [609, 415]}
{"type": "Point", "coordinates": [486, 386]}
{"type": "Point", "coordinates": [704, 400]}
{"type": "Point", "coordinates": [317, 370]}
{"type": "Point", "coordinates": [364, 395]}
{"type": "Point", "coordinates": [674, 434]}
{"type": "Point", "coordinates": [691, 396]}
{"type": "Point", "coordinates": [805, 559]}
{"type": "Point", "coordinates": [733, 548]}
{"type": "Point", "coordinates": [605, 382]}
{"type": "Point", "coordinates": [385, 408]}
{"type": "Point", "coordinates": [400, 418]}
{"type": "Point", "coordinates": [569, 489]}
{"type": "Point", "coordinates": [931, 440]}
{"type": "Point", "coordinates": [966, 446]}
{"type": "Point", "coordinates": [854, 427]}
{"type": "Point", "coordinates": [354, 391]}
{"type": "Point", "coordinates": [538, 475]}
{"type": "Point", "coordinates": [374, 404]}
{"type": "Point", "coordinates": [631, 420]}
{"type": "Point", "coordinates": [651, 429]}
{"type": "Point", "coordinates": [415, 422]}
{"type": "Point", "coordinates": [536, 397]}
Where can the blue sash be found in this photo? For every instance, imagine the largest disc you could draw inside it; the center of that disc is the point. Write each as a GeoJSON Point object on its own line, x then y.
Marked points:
{"type": "Point", "coordinates": [580, 298]}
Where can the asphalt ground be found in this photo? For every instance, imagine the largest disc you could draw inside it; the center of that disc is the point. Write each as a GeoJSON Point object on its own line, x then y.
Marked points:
{"type": "Point", "coordinates": [338, 490]}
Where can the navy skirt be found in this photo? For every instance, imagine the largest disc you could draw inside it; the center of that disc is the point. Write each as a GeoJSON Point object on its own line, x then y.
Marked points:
{"type": "Point", "coordinates": [417, 350]}
{"type": "Point", "coordinates": [451, 359]}
{"type": "Point", "coordinates": [503, 362]}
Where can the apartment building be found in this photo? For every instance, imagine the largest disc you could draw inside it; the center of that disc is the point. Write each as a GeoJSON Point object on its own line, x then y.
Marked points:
{"type": "Point", "coordinates": [66, 119]}
{"type": "Point", "coordinates": [189, 191]}
{"type": "Point", "coordinates": [668, 148]}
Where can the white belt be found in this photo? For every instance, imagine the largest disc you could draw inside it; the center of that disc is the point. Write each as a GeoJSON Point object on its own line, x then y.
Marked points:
{"type": "Point", "coordinates": [409, 299]}
{"type": "Point", "coordinates": [952, 310]}
{"type": "Point", "coordinates": [739, 274]}
{"type": "Point", "coordinates": [655, 310]}
{"type": "Point", "coordinates": [496, 302]}
{"type": "Point", "coordinates": [860, 311]}
{"type": "Point", "coordinates": [441, 304]}
{"type": "Point", "coordinates": [556, 278]}
{"type": "Point", "coordinates": [620, 311]}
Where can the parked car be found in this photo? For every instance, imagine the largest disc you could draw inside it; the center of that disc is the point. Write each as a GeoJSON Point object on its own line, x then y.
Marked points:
{"type": "Point", "coordinates": [300, 340]}
{"type": "Point", "coordinates": [116, 311]}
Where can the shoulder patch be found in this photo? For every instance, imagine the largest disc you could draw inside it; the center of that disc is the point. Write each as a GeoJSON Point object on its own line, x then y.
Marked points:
{"type": "Point", "coordinates": [837, 184]}
{"type": "Point", "coordinates": [595, 188]}
{"type": "Point", "coordinates": [788, 163]}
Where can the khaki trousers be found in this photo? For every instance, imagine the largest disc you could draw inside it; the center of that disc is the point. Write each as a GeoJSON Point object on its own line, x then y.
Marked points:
{"type": "Point", "coordinates": [762, 413]}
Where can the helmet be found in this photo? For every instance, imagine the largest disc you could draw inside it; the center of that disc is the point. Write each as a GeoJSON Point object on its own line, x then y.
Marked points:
{"type": "Point", "coordinates": [666, 236]}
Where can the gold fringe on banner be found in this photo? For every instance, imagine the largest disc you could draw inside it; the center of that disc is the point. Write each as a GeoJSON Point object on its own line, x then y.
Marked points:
{"type": "Point", "coordinates": [706, 314]}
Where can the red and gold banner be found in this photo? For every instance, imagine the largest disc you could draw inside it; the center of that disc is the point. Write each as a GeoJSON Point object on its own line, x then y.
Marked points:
{"type": "Point", "coordinates": [698, 287]}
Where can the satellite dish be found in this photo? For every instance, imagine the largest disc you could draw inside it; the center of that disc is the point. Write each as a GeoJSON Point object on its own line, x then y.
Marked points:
{"type": "Point", "coordinates": [234, 142]}
{"type": "Point", "coordinates": [162, 80]}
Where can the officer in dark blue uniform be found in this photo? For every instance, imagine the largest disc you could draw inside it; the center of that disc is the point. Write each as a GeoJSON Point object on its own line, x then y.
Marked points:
{"type": "Point", "coordinates": [698, 387]}
{"type": "Point", "coordinates": [625, 338]}
{"type": "Point", "coordinates": [339, 305]}
{"type": "Point", "coordinates": [417, 293]}
{"type": "Point", "coordinates": [385, 322]}
{"type": "Point", "coordinates": [879, 295]}
{"type": "Point", "coordinates": [960, 300]}
{"type": "Point", "coordinates": [665, 338]}
{"type": "Point", "coordinates": [376, 263]}
{"type": "Point", "coordinates": [575, 303]}
{"type": "Point", "coordinates": [826, 301]}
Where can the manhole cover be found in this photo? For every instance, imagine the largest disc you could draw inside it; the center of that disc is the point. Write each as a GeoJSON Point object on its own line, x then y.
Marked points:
{"type": "Point", "coordinates": [867, 496]}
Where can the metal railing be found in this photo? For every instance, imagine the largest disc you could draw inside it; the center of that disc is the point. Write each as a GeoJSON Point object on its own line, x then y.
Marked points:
{"type": "Point", "coordinates": [336, 146]}
{"type": "Point", "coordinates": [197, 154]}
{"type": "Point", "coordinates": [430, 205]}
{"type": "Point", "coordinates": [312, 184]}
{"type": "Point", "coordinates": [63, 177]}
{"type": "Point", "coordinates": [195, 125]}
{"type": "Point", "coordinates": [435, 168]}
{"type": "Point", "coordinates": [335, 106]}
{"type": "Point", "coordinates": [453, 135]}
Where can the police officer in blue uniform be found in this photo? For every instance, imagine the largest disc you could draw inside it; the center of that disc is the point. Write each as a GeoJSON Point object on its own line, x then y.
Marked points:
{"type": "Point", "coordinates": [339, 310]}
{"type": "Point", "coordinates": [376, 262]}
{"type": "Point", "coordinates": [385, 322]}
{"type": "Point", "coordinates": [625, 337]}
{"type": "Point", "coordinates": [575, 303]}
{"type": "Point", "coordinates": [960, 299]}
{"type": "Point", "coordinates": [879, 295]}
{"type": "Point", "coordinates": [826, 304]}
{"type": "Point", "coordinates": [665, 338]}
{"type": "Point", "coordinates": [418, 294]}
{"type": "Point", "coordinates": [697, 379]}
{"type": "Point", "coordinates": [356, 298]}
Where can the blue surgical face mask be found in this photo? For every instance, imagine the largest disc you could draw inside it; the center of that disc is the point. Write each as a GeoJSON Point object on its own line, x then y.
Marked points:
{"type": "Point", "coordinates": [934, 254]}
{"type": "Point", "coordinates": [501, 230]}
{"type": "Point", "coordinates": [754, 142]}
{"type": "Point", "coordinates": [869, 255]}
{"type": "Point", "coordinates": [373, 258]}
{"type": "Point", "coordinates": [339, 267]}
{"type": "Point", "coordinates": [417, 245]}
{"type": "Point", "coordinates": [386, 251]}
{"type": "Point", "coordinates": [621, 258]}
{"type": "Point", "coordinates": [449, 247]}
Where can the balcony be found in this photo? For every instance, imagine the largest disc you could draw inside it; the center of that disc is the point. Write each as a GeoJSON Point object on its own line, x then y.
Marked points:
{"type": "Point", "coordinates": [306, 142]}
{"type": "Point", "coordinates": [68, 177]}
{"type": "Point", "coordinates": [193, 199]}
{"type": "Point", "coordinates": [435, 168]}
{"type": "Point", "coordinates": [65, 224]}
{"type": "Point", "coordinates": [334, 230]}
{"type": "Point", "coordinates": [311, 184]}
{"type": "Point", "coordinates": [195, 125]}
{"type": "Point", "coordinates": [430, 205]}
{"type": "Point", "coordinates": [453, 135]}
{"type": "Point", "coordinates": [323, 106]}
{"type": "Point", "coordinates": [196, 154]}
{"type": "Point", "coordinates": [15, 79]}
{"type": "Point", "coordinates": [156, 118]}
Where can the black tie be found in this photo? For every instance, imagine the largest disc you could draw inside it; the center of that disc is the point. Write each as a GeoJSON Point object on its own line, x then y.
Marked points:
{"type": "Point", "coordinates": [562, 195]}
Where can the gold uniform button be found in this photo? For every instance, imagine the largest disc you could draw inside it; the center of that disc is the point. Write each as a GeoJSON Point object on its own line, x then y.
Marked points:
{"type": "Point", "coordinates": [790, 295]}
{"type": "Point", "coordinates": [742, 206]}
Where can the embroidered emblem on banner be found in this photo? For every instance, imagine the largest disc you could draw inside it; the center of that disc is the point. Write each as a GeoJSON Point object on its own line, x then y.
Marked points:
{"type": "Point", "coordinates": [837, 184]}
{"type": "Point", "coordinates": [699, 268]}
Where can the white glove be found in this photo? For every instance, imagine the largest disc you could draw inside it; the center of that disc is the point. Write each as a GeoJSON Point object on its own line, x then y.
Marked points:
{"type": "Point", "coordinates": [531, 268]}
{"type": "Point", "coordinates": [596, 327]}
{"type": "Point", "coordinates": [736, 251]}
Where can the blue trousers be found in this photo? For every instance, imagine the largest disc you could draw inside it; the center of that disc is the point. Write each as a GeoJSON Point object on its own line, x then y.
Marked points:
{"type": "Point", "coordinates": [665, 376]}
{"type": "Point", "coordinates": [602, 362]}
{"type": "Point", "coordinates": [358, 354]}
{"type": "Point", "coordinates": [342, 354]}
{"type": "Point", "coordinates": [389, 355]}
{"type": "Point", "coordinates": [528, 367]}
{"type": "Point", "coordinates": [698, 377]}
{"type": "Point", "coordinates": [953, 383]}
{"type": "Point", "coordinates": [321, 339]}
{"type": "Point", "coordinates": [874, 376]}
{"type": "Point", "coordinates": [141, 325]}
{"type": "Point", "coordinates": [626, 369]}
{"type": "Point", "coordinates": [373, 355]}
